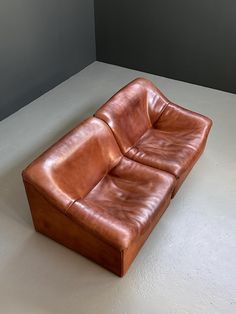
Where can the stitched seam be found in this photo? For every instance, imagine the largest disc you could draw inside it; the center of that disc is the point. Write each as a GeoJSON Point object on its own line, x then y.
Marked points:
{"type": "Point", "coordinates": [50, 200]}
{"type": "Point", "coordinates": [122, 262]}
{"type": "Point", "coordinates": [162, 111]}
{"type": "Point", "coordinates": [47, 198]}
{"type": "Point", "coordinates": [91, 231]}
{"type": "Point", "coordinates": [70, 205]}
{"type": "Point", "coordinates": [134, 145]}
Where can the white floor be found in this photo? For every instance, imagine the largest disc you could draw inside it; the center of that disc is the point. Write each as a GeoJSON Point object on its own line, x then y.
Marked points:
{"type": "Point", "coordinates": [188, 264]}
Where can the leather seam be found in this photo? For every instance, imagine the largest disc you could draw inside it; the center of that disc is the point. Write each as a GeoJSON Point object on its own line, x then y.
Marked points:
{"type": "Point", "coordinates": [162, 111]}
{"type": "Point", "coordinates": [95, 234]}
{"type": "Point", "coordinates": [122, 262]}
{"type": "Point", "coordinates": [134, 145]}
{"type": "Point", "coordinates": [70, 205]}
{"type": "Point", "coordinates": [68, 217]}
{"type": "Point", "coordinates": [65, 213]}
{"type": "Point", "coordinates": [48, 199]}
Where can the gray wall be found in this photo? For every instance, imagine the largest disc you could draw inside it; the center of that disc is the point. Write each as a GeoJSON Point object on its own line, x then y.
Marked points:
{"type": "Point", "coordinates": [189, 40]}
{"type": "Point", "coordinates": [42, 43]}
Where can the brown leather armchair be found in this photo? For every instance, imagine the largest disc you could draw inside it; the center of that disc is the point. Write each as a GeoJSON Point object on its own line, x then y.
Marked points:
{"type": "Point", "coordinates": [153, 131]}
{"type": "Point", "coordinates": [86, 195]}
{"type": "Point", "coordinates": [101, 195]}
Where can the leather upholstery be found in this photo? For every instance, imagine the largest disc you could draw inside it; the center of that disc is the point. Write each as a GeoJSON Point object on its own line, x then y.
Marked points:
{"type": "Point", "coordinates": [173, 142]}
{"type": "Point", "coordinates": [166, 137]}
{"type": "Point", "coordinates": [122, 205]}
{"type": "Point", "coordinates": [132, 111]}
{"type": "Point", "coordinates": [101, 189]}
{"type": "Point", "coordinates": [75, 164]}
{"type": "Point", "coordinates": [85, 177]}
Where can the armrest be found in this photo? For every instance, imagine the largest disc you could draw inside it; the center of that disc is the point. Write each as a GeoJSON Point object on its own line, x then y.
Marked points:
{"type": "Point", "coordinates": [174, 118]}
{"type": "Point", "coordinates": [38, 174]}
{"type": "Point", "coordinates": [157, 102]}
{"type": "Point", "coordinates": [99, 222]}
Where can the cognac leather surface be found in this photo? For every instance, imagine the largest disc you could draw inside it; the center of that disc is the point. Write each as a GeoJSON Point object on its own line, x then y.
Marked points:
{"type": "Point", "coordinates": [51, 222]}
{"type": "Point", "coordinates": [166, 136]}
{"type": "Point", "coordinates": [75, 164]}
{"type": "Point", "coordinates": [86, 177]}
{"type": "Point", "coordinates": [173, 143]}
{"type": "Point", "coordinates": [132, 111]}
{"type": "Point", "coordinates": [123, 204]}
{"type": "Point", "coordinates": [101, 189]}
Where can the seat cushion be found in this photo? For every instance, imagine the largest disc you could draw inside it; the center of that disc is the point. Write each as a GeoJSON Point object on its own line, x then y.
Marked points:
{"type": "Point", "coordinates": [168, 151]}
{"type": "Point", "coordinates": [174, 143]}
{"type": "Point", "coordinates": [124, 203]}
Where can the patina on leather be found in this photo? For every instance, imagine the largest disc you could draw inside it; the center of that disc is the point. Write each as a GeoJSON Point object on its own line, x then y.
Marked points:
{"type": "Point", "coordinates": [102, 188]}
{"type": "Point", "coordinates": [152, 130]}
{"type": "Point", "coordinates": [84, 180]}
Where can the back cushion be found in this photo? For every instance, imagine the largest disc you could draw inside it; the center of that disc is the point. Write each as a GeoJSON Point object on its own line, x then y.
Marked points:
{"type": "Point", "coordinates": [92, 153]}
{"type": "Point", "coordinates": [131, 111]}
{"type": "Point", "coordinates": [77, 162]}
{"type": "Point", "coordinates": [126, 114]}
